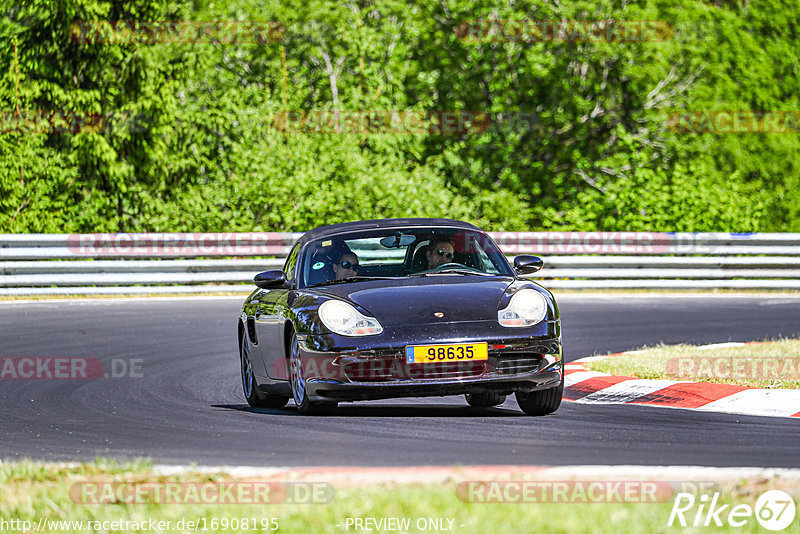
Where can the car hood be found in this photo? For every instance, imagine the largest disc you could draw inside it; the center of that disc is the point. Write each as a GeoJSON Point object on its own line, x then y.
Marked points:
{"type": "Point", "coordinates": [410, 301]}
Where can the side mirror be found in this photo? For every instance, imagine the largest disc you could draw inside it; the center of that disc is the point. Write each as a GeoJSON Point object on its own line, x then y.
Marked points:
{"type": "Point", "coordinates": [528, 264]}
{"type": "Point", "coordinates": [270, 279]}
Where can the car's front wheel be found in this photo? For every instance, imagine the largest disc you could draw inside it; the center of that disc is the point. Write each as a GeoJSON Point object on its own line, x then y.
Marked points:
{"type": "Point", "coordinates": [298, 381]}
{"type": "Point", "coordinates": [249, 386]}
{"type": "Point", "coordinates": [540, 402]}
{"type": "Point", "coordinates": [485, 399]}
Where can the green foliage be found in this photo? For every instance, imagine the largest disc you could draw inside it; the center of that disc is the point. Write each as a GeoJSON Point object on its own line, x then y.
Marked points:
{"type": "Point", "coordinates": [578, 137]}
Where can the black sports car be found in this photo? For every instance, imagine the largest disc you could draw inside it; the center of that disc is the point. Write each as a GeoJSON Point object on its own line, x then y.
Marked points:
{"type": "Point", "coordinates": [400, 308]}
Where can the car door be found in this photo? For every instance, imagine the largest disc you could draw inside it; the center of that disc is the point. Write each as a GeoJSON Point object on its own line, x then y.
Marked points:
{"type": "Point", "coordinates": [270, 319]}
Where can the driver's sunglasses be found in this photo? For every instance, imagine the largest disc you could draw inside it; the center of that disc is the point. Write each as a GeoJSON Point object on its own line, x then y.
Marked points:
{"type": "Point", "coordinates": [448, 255]}
{"type": "Point", "coordinates": [349, 265]}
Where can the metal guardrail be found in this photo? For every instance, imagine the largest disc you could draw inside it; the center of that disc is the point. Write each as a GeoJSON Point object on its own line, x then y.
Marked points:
{"type": "Point", "coordinates": [184, 263]}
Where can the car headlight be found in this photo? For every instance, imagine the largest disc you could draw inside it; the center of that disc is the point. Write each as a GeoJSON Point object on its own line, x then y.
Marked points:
{"type": "Point", "coordinates": [342, 318]}
{"type": "Point", "coordinates": [526, 308]}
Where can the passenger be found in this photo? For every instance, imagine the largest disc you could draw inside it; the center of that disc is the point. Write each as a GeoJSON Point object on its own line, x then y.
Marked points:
{"type": "Point", "coordinates": [439, 252]}
{"type": "Point", "coordinates": [346, 265]}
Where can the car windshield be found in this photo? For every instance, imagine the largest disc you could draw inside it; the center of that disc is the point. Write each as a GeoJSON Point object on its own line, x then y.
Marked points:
{"type": "Point", "coordinates": [397, 253]}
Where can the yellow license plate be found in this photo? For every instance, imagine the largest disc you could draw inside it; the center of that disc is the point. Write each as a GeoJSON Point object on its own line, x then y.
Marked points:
{"type": "Point", "coordinates": [446, 353]}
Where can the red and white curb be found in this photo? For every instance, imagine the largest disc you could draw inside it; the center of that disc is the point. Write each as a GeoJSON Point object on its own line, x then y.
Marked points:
{"type": "Point", "coordinates": [590, 387]}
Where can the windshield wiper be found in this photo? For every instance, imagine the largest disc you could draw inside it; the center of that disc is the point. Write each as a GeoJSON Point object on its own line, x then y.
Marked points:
{"type": "Point", "coordinates": [353, 279]}
{"type": "Point", "coordinates": [453, 270]}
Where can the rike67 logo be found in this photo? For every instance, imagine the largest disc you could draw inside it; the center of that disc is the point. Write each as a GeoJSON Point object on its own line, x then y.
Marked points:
{"type": "Point", "coordinates": [774, 510]}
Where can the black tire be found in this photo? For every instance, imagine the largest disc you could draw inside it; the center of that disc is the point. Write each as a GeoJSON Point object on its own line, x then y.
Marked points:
{"type": "Point", "coordinates": [254, 397]}
{"type": "Point", "coordinates": [298, 383]}
{"type": "Point", "coordinates": [485, 399]}
{"type": "Point", "coordinates": [540, 402]}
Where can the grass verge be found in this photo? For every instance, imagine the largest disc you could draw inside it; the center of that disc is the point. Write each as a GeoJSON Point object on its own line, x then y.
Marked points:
{"type": "Point", "coordinates": [769, 364]}
{"type": "Point", "coordinates": [30, 491]}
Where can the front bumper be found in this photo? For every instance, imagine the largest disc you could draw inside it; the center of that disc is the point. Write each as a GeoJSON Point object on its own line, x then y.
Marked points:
{"type": "Point", "coordinates": [517, 362]}
{"type": "Point", "coordinates": [321, 389]}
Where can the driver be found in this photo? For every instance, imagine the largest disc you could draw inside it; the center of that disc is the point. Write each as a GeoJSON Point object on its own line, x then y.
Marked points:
{"type": "Point", "coordinates": [439, 252]}
{"type": "Point", "coordinates": [346, 265]}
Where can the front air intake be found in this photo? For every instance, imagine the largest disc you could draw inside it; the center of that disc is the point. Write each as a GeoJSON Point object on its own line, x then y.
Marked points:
{"type": "Point", "coordinates": [516, 364]}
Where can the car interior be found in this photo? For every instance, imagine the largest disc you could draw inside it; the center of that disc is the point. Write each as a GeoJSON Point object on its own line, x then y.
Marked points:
{"type": "Point", "coordinates": [320, 268]}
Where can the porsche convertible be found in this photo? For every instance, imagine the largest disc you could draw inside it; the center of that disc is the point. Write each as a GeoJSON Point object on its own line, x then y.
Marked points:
{"type": "Point", "coordinates": [400, 308]}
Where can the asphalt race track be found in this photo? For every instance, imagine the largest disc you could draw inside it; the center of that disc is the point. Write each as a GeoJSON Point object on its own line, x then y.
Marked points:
{"type": "Point", "coordinates": [187, 405]}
